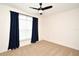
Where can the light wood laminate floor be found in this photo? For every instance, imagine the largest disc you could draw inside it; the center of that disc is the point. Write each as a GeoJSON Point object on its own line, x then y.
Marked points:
{"type": "Point", "coordinates": [42, 48]}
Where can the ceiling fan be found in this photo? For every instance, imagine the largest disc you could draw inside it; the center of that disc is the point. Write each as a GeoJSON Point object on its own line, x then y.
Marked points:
{"type": "Point", "coordinates": [41, 9]}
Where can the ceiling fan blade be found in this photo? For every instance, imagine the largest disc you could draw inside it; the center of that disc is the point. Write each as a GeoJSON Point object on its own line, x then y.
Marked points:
{"type": "Point", "coordinates": [34, 8]}
{"type": "Point", "coordinates": [48, 7]}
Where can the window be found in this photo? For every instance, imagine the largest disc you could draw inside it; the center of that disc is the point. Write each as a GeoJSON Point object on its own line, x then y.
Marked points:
{"type": "Point", "coordinates": [25, 27]}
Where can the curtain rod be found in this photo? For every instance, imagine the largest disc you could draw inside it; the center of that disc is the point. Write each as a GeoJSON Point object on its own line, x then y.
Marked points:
{"type": "Point", "coordinates": [24, 14]}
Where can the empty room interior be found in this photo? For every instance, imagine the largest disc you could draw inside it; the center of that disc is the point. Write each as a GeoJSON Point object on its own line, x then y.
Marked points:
{"type": "Point", "coordinates": [39, 29]}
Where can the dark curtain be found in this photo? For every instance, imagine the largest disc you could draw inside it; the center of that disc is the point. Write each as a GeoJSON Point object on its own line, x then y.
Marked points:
{"type": "Point", "coordinates": [14, 30]}
{"type": "Point", "coordinates": [34, 30]}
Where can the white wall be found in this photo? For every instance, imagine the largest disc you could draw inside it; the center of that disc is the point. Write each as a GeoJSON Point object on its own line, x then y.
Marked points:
{"type": "Point", "coordinates": [4, 28]}
{"type": "Point", "coordinates": [5, 25]}
{"type": "Point", "coordinates": [61, 28]}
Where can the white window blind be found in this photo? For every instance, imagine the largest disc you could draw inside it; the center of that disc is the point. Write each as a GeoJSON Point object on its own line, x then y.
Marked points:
{"type": "Point", "coordinates": [25, 27]}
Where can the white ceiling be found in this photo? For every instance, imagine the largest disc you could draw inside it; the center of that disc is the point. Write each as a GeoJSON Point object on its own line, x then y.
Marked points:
{"type": "Point", "coordinates": [57, 7]}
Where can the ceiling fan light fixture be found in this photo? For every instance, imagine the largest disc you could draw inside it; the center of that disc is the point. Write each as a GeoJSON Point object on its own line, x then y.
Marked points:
{"type": "Point", "coordinates": [40, 11]}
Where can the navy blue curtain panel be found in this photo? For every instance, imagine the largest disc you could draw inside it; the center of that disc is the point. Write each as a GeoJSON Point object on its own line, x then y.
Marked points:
{"type": "Point", "coordinates": [34, 30]}
{"type": "Point", "coordinates": [14, 30]}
